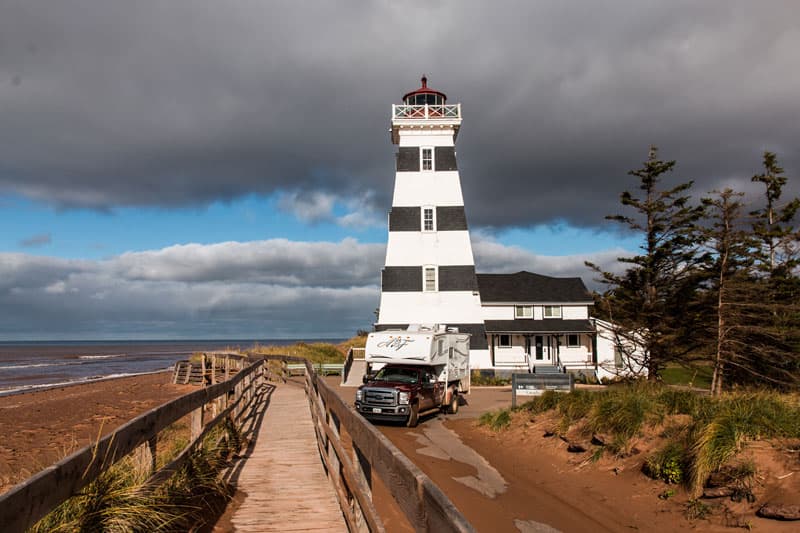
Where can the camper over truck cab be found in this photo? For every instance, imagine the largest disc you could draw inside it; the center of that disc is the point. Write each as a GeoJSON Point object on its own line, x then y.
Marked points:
{"type": "Point", "coordinates": [415, 371]}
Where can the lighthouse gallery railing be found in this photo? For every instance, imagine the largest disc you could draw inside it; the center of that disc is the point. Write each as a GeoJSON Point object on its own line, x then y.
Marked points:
{"type": "Point", "coordinates": [401, 111]}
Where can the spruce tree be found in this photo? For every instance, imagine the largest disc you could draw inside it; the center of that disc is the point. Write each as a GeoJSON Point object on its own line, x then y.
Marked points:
{"type": "Point", "coordinates": [730, 284]}
{"type": "Point", "coordinates": [651, 301]}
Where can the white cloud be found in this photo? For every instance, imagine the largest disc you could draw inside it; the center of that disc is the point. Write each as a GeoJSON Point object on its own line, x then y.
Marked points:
{"type": "Point", "coordinates": [494, 257]}
{"type": "Point", "coordinates": [254, 289]}
{"type": "Point", "coordinates": [313, 206]}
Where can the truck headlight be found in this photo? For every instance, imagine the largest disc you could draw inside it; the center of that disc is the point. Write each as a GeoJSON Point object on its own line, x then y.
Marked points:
{"type": "Point", "coordinates": [359, 395]}
{"type": "Point", "coordinates": [402, 398]}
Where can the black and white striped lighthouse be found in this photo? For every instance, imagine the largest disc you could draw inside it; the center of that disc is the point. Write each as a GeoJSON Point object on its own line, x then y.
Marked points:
{"type": "Point", "coordinates": [429, 274]}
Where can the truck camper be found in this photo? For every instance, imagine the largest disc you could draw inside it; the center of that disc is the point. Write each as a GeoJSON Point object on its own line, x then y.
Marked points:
{"type": "Point", "coordinates": [412, 372]}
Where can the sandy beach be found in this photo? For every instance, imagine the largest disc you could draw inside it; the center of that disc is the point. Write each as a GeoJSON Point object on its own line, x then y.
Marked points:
{"type": "Point", "coordinates": [40, 428]}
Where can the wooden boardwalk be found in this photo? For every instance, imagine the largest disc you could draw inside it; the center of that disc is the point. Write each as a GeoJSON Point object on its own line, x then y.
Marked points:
{"type": "Point", "coordinates": [283, 479]}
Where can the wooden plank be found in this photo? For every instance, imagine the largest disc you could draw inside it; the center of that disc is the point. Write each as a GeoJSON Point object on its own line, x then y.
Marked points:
{"type": "Point", "coordinates": [283, 478]}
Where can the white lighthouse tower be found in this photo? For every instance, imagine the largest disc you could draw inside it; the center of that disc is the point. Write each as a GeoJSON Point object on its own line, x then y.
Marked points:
{"type": "Point", "coordinates": [429, 274]}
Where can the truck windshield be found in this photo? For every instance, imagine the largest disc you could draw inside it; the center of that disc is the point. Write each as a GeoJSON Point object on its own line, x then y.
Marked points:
{"type": "Point", "coordinates": [402, 375]}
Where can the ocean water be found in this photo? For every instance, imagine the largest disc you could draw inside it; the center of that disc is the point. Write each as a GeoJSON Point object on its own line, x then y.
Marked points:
{"type": "Point", "coordinates": [28, 366]}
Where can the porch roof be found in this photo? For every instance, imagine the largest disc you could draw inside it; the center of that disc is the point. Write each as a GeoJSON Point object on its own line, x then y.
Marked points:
{"type": "Point", "coordinates": [548, 325]}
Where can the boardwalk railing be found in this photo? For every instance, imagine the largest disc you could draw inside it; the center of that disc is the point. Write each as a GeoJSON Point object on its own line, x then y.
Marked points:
{"type": "Point", "coordinates": [28, 502]}
{"type": "Point", "coordinates": [211, 368]}
{"type": "Point", "coordinates": [351, 465]}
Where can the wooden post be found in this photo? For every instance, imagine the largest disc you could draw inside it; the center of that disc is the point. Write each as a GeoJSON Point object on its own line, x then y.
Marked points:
{"type": "Point", "coordinates": [145, 457]}
{"type": "Point", "coordinates": [203, 369]}
{"type": "Point", "coordinates": [213, 369]}
{"type": "Point", "coordinates": [227, 367]}
{"type": "Point", "coordinates": [197, 422]}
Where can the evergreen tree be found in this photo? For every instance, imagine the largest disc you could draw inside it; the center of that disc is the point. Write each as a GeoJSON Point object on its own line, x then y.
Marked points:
{"type": "Point", "coordinates": [730, 284]}
{"type": "Point", "coordinates": [651, 300]}
{"type": "Point", "coordinates": [778, 253]}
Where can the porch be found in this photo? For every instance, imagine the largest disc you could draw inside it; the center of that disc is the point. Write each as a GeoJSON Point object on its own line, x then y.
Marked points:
{"type": "Point", "coordinates": [542, 345]}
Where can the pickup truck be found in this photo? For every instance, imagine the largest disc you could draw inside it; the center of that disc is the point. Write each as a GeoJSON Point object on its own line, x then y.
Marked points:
{"type": "Point", "coordinates": [430, 377]}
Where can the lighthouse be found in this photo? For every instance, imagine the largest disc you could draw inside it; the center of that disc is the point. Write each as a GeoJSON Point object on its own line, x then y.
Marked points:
{"type": "Point", "coordinates": [429, 273]}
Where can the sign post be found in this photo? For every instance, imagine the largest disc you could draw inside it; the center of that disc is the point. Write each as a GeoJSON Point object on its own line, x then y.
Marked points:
{"type": "Point", "coordinates": [536, 384]}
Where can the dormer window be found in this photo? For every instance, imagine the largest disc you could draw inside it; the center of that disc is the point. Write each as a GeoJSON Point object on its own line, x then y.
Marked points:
{"type": "Point", "coordinates": [523, 311]}
{"type": "Point", "coordinates": [427, 159]}
{"type": "Point", "coordinates": [552, 311]}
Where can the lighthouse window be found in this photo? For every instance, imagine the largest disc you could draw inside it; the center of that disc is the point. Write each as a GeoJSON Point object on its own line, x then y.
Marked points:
{"type": "Point", "coordinates": [428, 223]}
{"type": "Point", "coordinates": [429, 279]}
{"type": "Point", "coordinates": [427, 159]}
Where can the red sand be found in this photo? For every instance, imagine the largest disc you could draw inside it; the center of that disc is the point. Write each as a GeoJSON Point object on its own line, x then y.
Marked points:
{"type": "Point", "coordinates": [40, 428]}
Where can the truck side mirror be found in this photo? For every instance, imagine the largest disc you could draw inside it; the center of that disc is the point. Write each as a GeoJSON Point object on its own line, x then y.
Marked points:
{"type": "Point", "coordinates": [364, 378]}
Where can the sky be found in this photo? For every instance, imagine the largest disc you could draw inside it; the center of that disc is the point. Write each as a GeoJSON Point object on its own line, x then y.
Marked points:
{"type": "Point", "coordinates": [197, 169]}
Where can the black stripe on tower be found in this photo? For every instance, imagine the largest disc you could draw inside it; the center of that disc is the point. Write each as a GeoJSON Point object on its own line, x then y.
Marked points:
{"type": "Point", "coordinates": [451, 218]}
{"type": "Point", "coordinates": [405, 219]}
{"type": "Point", "coordinates": [448, 218]}
{"type": "Point", "coordinates": [408, 158]}
{"type": "Point", "coordinates": [445, 158]}
{"type": "Point", "coordinates": [409, 278]}
{"type": "Point", "coordinates": [477, 341]}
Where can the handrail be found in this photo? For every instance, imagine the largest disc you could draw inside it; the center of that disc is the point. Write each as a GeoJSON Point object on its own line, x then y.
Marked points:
{"type": "Point", "coordinates": [28, 502]}
{"type": "Point", "coordinates": [348, 361]}
{"type": "Point", "coordinates": [423, 503]}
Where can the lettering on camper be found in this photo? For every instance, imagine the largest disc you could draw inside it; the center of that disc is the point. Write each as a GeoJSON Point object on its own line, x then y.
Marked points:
{"type": "Point", "coordinates": [396, 343]}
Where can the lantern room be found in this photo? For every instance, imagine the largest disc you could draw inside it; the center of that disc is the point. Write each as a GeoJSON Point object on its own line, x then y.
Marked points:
{"type": "Point", "coordinates": [425, 108]}
{"type": "Point", "coordinates": [425, 95]}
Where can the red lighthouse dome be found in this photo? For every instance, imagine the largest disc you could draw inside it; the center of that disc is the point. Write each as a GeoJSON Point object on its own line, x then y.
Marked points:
{"type": "Point", "coordinates": [425, 95]}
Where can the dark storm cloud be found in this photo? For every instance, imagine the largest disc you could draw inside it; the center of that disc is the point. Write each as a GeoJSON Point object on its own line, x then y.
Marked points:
{"type": "Point", "coordinates": [110, 103]}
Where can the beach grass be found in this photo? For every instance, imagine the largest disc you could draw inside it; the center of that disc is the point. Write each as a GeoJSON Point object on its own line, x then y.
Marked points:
{"type": "Point", "coordinates": [713, 431]}
{"type": "Point", "coordinates": [117, 500]}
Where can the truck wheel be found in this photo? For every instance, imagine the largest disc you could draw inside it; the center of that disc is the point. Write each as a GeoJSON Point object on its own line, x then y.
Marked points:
{"type": "Point", "coordinates": [413, 417]}
{"type": "Point", "coordinates": [453, 407]}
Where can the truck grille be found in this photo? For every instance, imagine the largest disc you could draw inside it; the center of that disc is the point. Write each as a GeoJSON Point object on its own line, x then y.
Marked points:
{"type": "Point", "coordinates": [379, 397]}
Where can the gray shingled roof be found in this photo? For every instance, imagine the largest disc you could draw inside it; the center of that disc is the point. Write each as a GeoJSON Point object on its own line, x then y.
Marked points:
{"type": "Point", "coordinates": [548, 325]}
{"type": "Point", "coordinates": [527, 287]}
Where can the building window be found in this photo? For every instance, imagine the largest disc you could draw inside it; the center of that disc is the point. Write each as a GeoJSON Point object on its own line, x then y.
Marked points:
{"type": "Point", "coordinates": [428, 219]}
{"type": "Point", "coordinates": [552, 311]}
{"type": "Point", "coordinates": [427, 159]}
{"type": "Point", "coordinates": [504, 341]}
{"type": "Point", "coordinates": [573, 341]}
{"type": "Point", "coordinates": [429, 279]}
{"type": "Point", "coordinates": [523, 311]}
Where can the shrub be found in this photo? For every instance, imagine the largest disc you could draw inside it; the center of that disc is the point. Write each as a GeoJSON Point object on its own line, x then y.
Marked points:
{"type": "Point", "coordinates": [624, 413]}
{"type": "Point", "coordinates": [479, 379]}
{"type": "Point", "coordinates": [668, 464]}
{"type": "Point", "coordinates": [544, 402]}
{"type": "Point", "coordinates": [496, 420]}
